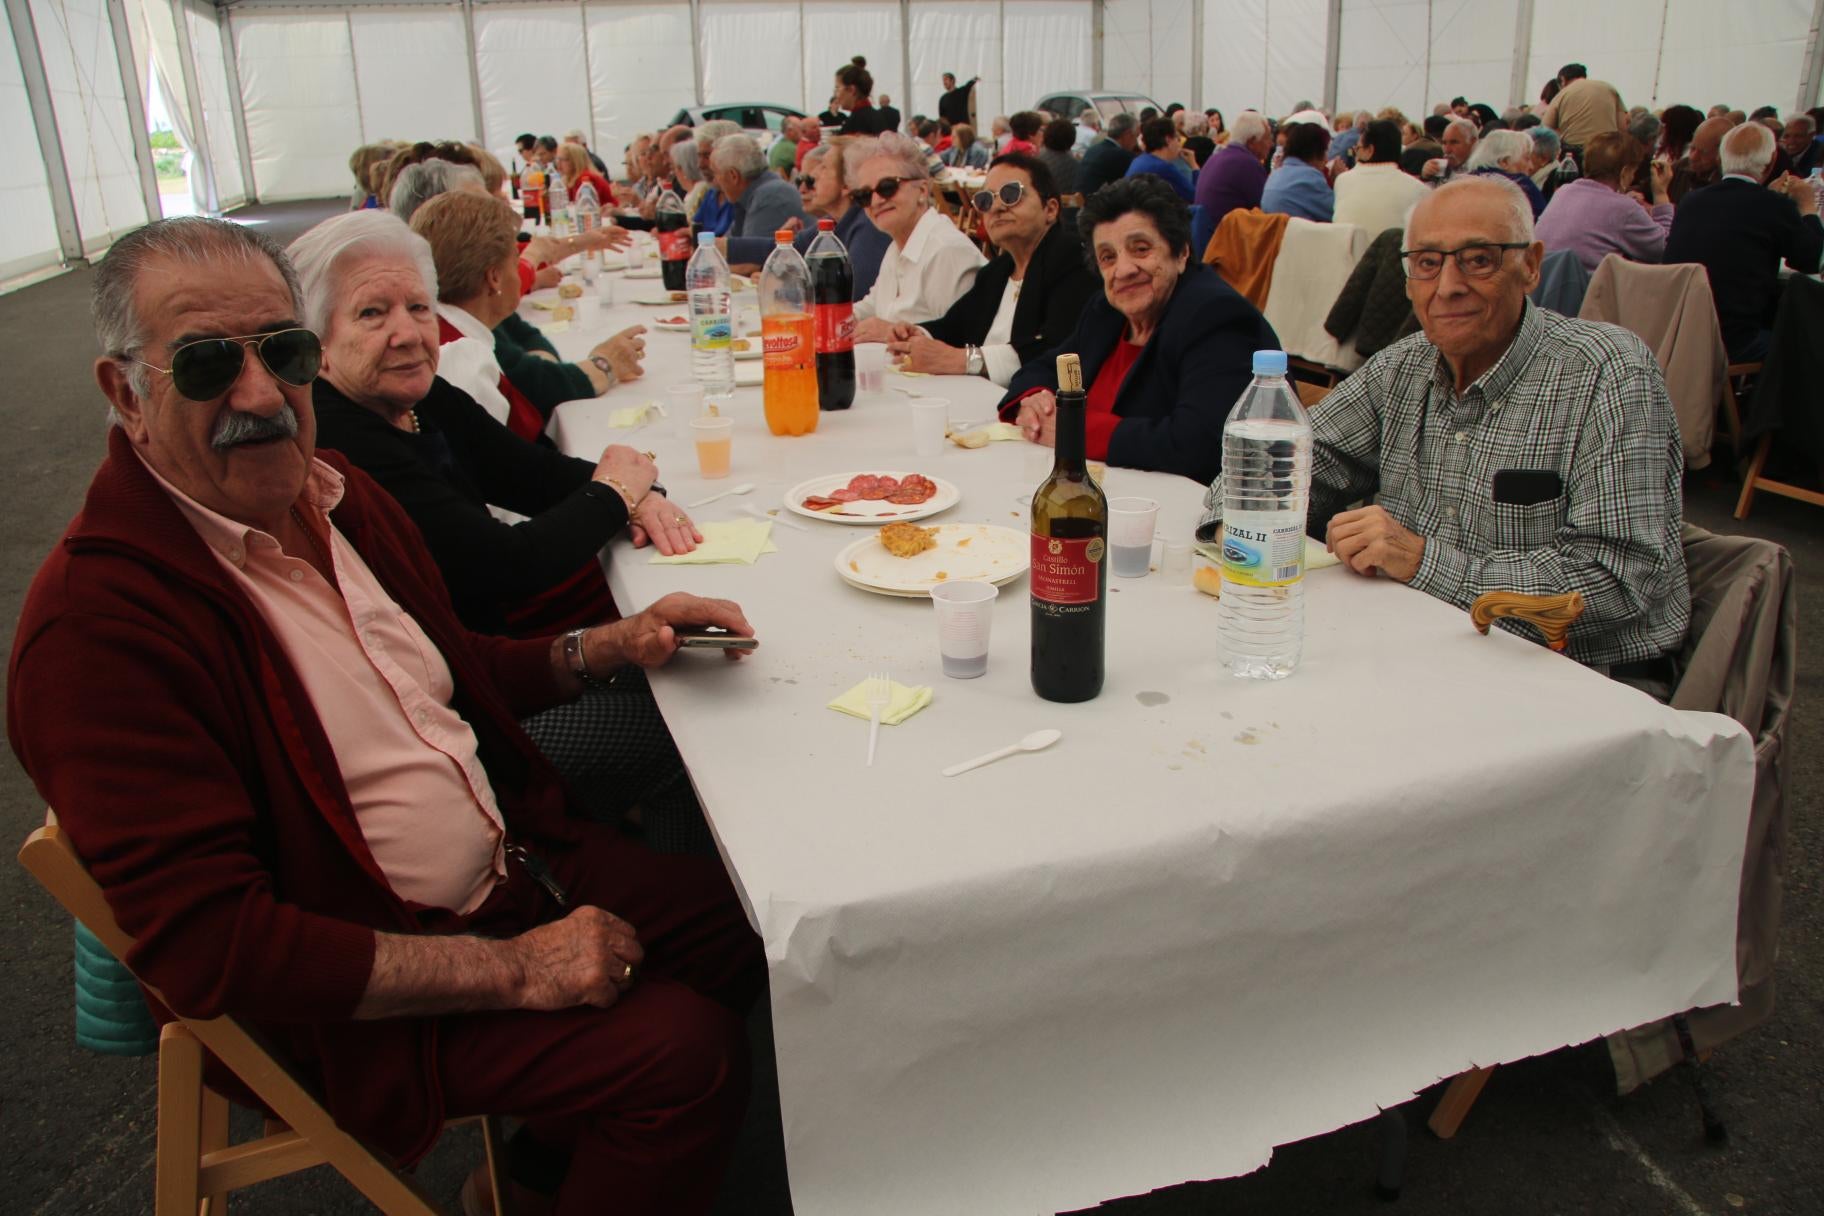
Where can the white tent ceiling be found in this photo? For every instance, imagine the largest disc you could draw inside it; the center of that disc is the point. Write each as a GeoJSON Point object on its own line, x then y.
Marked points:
{"type": "Point", "coordinates": [272, 95]}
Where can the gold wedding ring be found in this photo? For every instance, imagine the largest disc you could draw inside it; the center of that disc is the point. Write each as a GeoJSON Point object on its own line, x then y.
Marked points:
{"type": "Point", "coordinates": [650, 455]}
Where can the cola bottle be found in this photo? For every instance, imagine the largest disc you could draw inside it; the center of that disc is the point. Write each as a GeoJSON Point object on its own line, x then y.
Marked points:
{"type": "Point", "coordinates": [832, 296]}
{"type": "Point", "coordinates": [673, 227]}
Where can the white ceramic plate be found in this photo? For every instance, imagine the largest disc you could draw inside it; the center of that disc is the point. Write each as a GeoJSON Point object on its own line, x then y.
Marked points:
{"type": "Point", "coordinates": [645, 272]}
{"type": "Point", "coordinates": [660, 298]}
{"type": "Point", "coordinates": [754, 350]}
{"type": "Point", "coordinates": [987, 552]}
{"type": "Point", "coordinates": [863, 511]}
{"type": "Point", "coordinates": [671, 325]}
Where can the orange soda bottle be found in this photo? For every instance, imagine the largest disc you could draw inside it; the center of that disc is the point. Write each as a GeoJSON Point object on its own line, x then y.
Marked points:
{"type": "Point", "coordinates": [788, 336]}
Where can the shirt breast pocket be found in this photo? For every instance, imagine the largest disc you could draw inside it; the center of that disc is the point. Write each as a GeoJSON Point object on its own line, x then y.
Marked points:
{"type": "Point", "coordinates": [1527, 526]}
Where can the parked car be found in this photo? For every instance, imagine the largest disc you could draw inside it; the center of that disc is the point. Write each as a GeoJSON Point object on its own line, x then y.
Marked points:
{"type": "Point", "coordinates": [1069, 105]}
{"type": "Point", "coordinates": [754, 116]}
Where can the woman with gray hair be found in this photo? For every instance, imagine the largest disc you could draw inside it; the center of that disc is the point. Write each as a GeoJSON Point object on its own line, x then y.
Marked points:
{"type": "Point", "coordinates": [417, 184]}
{"type": "Point", "coordinates": [370, 288]}
{"type": "Point", "coordinates": [930, 263]}
{"type": "Point", "coordinates": [1508, 154]}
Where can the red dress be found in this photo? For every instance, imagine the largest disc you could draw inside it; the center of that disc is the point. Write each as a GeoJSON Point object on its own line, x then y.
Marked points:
{"type": "Point", "coordinates": [1099, 417]}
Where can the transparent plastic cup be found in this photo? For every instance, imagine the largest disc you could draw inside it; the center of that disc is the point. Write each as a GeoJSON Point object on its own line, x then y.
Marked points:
{"type": "Point", "coordinates": [930, 423]}
{"type": "Point", "coordinates": [715, 446]}
{"type": "Point", "coordinates": [965, 613]}
{"type": "Point", "coordinates": [1130, 535]}
{"type": "Point", "coordinates": [1174, 559]}
{"type": "Point", "coordinates": [683, 403]}
{"type": "Point", "coordinates": [870, 367]}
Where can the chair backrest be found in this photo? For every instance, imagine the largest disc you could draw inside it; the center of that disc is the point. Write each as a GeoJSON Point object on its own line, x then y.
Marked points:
{"type": "Point", "coordinates": [1562, 282]}
{"type": "Point", "coordinates": [1311, 394]}
{"type": "Point", "coordinates": [50, 858]}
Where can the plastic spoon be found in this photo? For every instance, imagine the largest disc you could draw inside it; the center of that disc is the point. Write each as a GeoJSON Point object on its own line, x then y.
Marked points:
{"type": "Point", "coordinates": [1038, 740]}
{"type": "Point", "coordinates": [782, 521]}
{"type": "Point", "coordinates": [746, 487]}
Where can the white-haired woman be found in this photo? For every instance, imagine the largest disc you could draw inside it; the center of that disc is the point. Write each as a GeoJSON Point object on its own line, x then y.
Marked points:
{"type": "Point", "coordinates": [370, 288]}
{"type": "Point", "coordinates": [930, 264]}
{"type": "Point", "coordinates": [1509, 154]}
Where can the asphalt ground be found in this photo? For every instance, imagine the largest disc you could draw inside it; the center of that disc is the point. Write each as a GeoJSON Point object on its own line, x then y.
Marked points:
{"type": "Point", "coordinates": [1547, 1137]}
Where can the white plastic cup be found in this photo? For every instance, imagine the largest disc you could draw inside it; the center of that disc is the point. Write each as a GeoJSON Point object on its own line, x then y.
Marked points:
{"type": "Point", "coordinates": [1130, 535]}
{"type": "Point", "coordinates": [682, 403]}
{"type": "Point", "coordinates": [871, 367]}
{"type": "Point", "coordinates": [1174, 559]}
{"type": "Point", "coordinates": [588, 310]}
{"type": "Point", "coordinates": [604, 289]}
{"type": "Point", "coordinates": [714, 440]}
{"type": "Point", "coordinates": [634, 255]}
{"type": "Point", "coordinates": [930, 423]}
{"type": "Point", "coordinates": [965, 613]}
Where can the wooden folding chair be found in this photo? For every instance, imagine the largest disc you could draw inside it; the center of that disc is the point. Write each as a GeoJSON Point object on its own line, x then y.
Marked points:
{"type": "Point", "coordinates": [197, 1167]}
{"type": "Point", "coordinates": [1731, 402]}
{"type": "Point", "coordinates": [1310, 394]}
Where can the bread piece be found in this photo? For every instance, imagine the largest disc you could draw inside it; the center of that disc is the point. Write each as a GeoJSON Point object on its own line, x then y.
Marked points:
{"type": "Point", "coordinates": [569, 291]}
{"type": "Point", "coordinates": [563, 312]}
{"type": "Point", "coordinates": [1207, 579]}
{"type": "Point", "coordinates": [907, 540]}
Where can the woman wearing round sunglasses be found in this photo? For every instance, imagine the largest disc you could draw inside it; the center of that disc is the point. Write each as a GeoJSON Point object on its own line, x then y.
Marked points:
{"type": "Point", "coordinates": [1167, 347]}
{"type": "Point", "coordinates": [930, 264]}
{"type": "Point", "coordinates": [1024, 302]}
{"type": "Point", "coordinates": [369, 284]}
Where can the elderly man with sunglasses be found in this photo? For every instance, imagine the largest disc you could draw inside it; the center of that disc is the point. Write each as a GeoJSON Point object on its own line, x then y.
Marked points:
{"type": "Point", "coordinates": [300, 782]}
{"type": "Point", "coordinates": [1508, 448]}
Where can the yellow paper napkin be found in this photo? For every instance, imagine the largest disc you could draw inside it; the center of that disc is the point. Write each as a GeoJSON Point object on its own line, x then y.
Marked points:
{"type": "Point", "coordinates": [902, 705]}
{"type": "Point", "coordinates": [554, 327]}
{"type": "Point", "coordinates": [634, 415]}
{"type": "Point", "coordinates": [727, 541]}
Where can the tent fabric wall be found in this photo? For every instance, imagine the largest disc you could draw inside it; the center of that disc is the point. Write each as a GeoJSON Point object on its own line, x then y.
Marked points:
{"type": "Point", "coordinates": [1234, 56]}
{"type": "Point", "coordinates": [962, 38]}
{"type": "Point", "coordinates": [421, 94]}
{"type": "Point", "coordinates": [298, 92]}
{"type": "Point", "coordinates": [1472, 51]}
{"type": "Point", "coordinates": [1620, 45]}
{"type": "Point", "coordinates": [218, 115]}
{"type": "Point", "coordinates": [834, 32]}
{"type": "Point", "coordinates": [28, 228]}
{"type": "Point", "coordinates": [77, 44]}
{"type": "Point", "coordinates": [1295, 53]}
{"type": "Point", "coordinates": [639, 71]}
{"type": "Point", "coordinates": [751, 52]}
{"type": "Point", "coordinates": [1381, 57]}
{"type": "Point", "coordinates": [1045, 47]}
{"type": "Point", "coordinates": [530, 59]}
{"type": "Point", "coordinates": [1747, 55]}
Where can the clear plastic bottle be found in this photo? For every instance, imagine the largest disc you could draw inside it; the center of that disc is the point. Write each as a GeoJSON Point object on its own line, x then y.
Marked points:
{"type": "Point", "coordinates": [1266, 486]}
{"type": "Point", "coordinates": [712, 331]}
{"type": "Point", "coordinates": [1817, 184]}
{"type": "Point", "coordinates": [557, 203]}
{"type": "Point", "coordinates": [788, 336]}
{"type": "Point", "coordinates": [588, 211]}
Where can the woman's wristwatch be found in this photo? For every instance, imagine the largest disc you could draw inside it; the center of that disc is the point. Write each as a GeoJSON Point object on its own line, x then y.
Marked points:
{"type": "Point", "coordinates": [605, 367]}
{"type": "Point", "coordinates": [974, 363]}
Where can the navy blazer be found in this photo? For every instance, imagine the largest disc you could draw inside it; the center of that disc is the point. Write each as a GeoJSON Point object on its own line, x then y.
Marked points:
{"type": "Point", "coordinates": [1180, 390]}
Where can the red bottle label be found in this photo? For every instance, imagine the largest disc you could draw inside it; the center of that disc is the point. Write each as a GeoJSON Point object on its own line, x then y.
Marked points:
{"type": "Point", "coordinates": [674, 246]}
{"type": "Point", "coordinates": [1067, 570]}
{"type": "Point", "coordinates": [835, 328]}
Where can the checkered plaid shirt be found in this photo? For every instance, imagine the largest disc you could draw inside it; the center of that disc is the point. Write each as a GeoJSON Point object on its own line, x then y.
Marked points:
{"type": "Point", "coordinates": [1584, 400]}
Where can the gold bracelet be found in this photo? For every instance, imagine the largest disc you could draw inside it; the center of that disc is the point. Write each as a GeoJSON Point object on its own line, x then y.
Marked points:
{"type": "Point", "coordinates": [615, 484]}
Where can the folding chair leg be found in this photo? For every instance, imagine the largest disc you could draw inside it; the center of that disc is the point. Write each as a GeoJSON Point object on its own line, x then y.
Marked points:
{"type": "Point", "coordinates": [1754, 474]}
{"type": "Point", "coordinates": [213, 1138]}
{"type": "Point", "coordinates": [180, 1120]}
{"type": "Point", "coordinates": [496, 1145]}
{"type": "Point", "coordinates": [1458, 1097]}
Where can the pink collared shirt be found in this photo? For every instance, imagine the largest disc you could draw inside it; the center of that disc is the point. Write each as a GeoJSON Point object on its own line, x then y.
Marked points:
{"type": "Point", "coordinates": [382, 692]}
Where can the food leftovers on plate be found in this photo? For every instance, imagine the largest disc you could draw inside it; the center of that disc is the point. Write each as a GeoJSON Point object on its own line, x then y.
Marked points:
{"type": "Point", "coordinates": [907, 540]}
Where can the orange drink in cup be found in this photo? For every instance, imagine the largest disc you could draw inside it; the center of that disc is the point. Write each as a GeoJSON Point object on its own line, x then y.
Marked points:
{"type": "Point", "coordinates": [715, 445]}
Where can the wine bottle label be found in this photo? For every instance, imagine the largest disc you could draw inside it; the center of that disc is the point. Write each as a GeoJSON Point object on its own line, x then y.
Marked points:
{"type": "Point", "coordinates": [675, 246]}
{"type": "Point", "coordinates": [1067, 570]}
{"type": "Point", "coordinates": [1263, 549]}
{"type": "Point", "coordinates": [835, 328]}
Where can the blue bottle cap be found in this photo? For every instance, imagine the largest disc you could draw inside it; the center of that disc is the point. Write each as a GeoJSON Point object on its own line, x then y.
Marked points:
{"type": "Point", "coordinates": [707, 239]}
{"type": "Point", "coordinates": [1269, 363]}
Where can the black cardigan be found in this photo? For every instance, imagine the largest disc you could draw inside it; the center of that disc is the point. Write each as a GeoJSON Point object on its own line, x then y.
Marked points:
{"type": "Point", "coordinates": [446, 475]}
{"type": "Point", "coordinates": [1180, 390]}
{"type": "Point", "coordinates": [1057, 286]}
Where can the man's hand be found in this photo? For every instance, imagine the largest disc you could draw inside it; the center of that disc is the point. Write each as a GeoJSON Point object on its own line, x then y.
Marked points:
{"type": "Point", "coordinates": [583, 959]}
{"type": "Point", "coordinates": [1038, 418]}
{"type": "Point", "coordinates": [1799, 191]}
{"type": "Point", "coordinates": [1370, 541]}
{"type": "Point", "coordinates": [650, 638]}
{"type": "Point", "coordinates": [664, 526]}
{"type": "Point", "coordinates": [874, 329]}
{"type": "Point", "coordinates": [1662, 178]}
{"type": "Point", "coordinates": [926, 354]}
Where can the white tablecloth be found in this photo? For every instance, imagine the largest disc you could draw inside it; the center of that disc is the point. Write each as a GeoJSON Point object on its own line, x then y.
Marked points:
{"type": "Point", "coordinates": [1219, 915]}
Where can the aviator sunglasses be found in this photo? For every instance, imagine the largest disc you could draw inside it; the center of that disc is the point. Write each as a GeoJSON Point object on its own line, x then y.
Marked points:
{"type": "Point", "coordinates": [204, 369]}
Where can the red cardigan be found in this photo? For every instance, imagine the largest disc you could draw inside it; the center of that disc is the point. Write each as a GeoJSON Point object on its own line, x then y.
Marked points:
{"type": "Point", "coordinates": [159, 716]}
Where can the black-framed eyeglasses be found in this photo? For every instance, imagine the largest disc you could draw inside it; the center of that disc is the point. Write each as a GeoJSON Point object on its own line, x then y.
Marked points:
{"type": "Point", "coordinates": [1477, 261]}
{"type": "Point", "coordinates": [205, 369]}
{"type": "Point", "coordinates": [886, 187]}
{"type": "Point", "coordinates": [1010, 195]}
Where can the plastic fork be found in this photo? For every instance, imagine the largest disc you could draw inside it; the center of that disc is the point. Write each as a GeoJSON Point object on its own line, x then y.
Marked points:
{"type": "Point", "coordinates": [879, 692]}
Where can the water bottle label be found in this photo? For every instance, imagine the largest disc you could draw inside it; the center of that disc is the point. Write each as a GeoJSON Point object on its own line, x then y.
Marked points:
{"type": "Point", "coordinates": [1067, 570]}
{"type": "Point", "coordinates": [1262, 549]}
{"type": "Point", "coordinates": [835, 328]}
{"type": "Point", "coordinates": [711, 331]}
{"type": "Point", "coordinates": [675, 246]}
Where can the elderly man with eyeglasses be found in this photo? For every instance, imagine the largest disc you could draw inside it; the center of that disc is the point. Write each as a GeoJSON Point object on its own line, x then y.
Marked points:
{"type": "Point", "coordinates": [1509, 448]}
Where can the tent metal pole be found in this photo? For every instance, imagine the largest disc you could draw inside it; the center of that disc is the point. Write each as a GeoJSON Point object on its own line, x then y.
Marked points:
{"type": "Point", "coordinates": [582, 17]}
{"type": "Point", "coordinates": [44, 120]}
{"type": "Point", "coordinates": [468, 33]}
{"type": "Point", "coordinates": [236, 107]}
{"type": "Point", "coordinates": [1333, 53]}
{"type": "Point", "coordinates": [1197, 10]}
{"type": "Point", "coordinates": [200, 161]}
{"type": "Point", "coordinates": [354, 74]}
{"type": "Point", "coordinates": [905, 57]}
{"type": "Point", "coordinates": [1097, 16]}
{"type": "Point", "coordinates": [136, 108]}
{"type": "Point", "coordinates": [1813, 76]}
{"type": "Point", "coordinates": [696, 47]}
{"type": "Point", "coordinates": [1523, 53]}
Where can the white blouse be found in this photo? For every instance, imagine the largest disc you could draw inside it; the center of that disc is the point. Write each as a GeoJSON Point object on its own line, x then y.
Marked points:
{"type": "Point", "coordinates": [920, 282]}
{"type": "Point", "coordinates": [468, 363]}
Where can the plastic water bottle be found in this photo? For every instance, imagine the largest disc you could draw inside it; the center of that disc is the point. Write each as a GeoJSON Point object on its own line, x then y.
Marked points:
{"type": "Point", "coordinates": [712, 331]}
{"type": "Point", "coordinates": [1266, 480]}
{"type": "Point", "coordinates": [558, 204]}
{"type": "Point", "coordinates": [588, 211]}
{"type": "Point", "coordinates": [1817, 185]}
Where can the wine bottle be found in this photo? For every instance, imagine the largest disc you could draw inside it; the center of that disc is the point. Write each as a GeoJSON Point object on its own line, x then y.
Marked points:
{"type": "Point", "coordinates": [1069, 583]}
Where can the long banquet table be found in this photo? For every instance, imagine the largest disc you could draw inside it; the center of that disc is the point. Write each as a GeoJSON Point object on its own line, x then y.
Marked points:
{"type": "Point", "coordinates": [1219, 915]}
